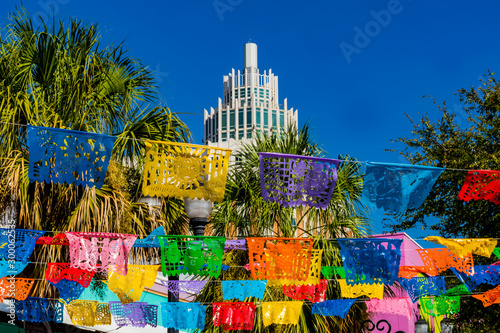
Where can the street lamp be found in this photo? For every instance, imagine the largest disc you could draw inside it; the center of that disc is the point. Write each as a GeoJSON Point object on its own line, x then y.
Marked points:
{"type": "Point", "coordinates": [446, 325]}
{"type": "Point", "coordinates": [421, 326]}
{"type": "Point", "coordinates": [198, 212]}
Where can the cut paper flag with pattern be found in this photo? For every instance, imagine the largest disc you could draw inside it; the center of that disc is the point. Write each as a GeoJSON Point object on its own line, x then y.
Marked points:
{"type": "Point", "coordinates": [315, 293]}
{"type": "Point", "coordinates": [151, 240]}
{"type": "Point", "coordinates": [190, 287]}
{"type": "Point", "coordinates": [129, 287]}
{"type": "Point", "coordinates": [242, 289]}
{"type": "Point", "coordinates": [489, 297]}
{"type": "Point", "coordinates": [423, 286]}
{"type": "Point", "coordinates": [398, 187]}
{"type": "Point", "coordinates": [482, 274]}
{"type": "Point", "coordinates": [17, 288]}
{"type": "Point", "coordinates": [11, 268]}
{"type": "Point", "coordinates": [294, 180]}
{"type": "Point", "coordinates": [461, 289]}
{"type": "Point", "coordinates": [390, 306]}
{"type": "Point", "coordinates": [61, 271]}
{"type": "Point", "coordinates": [438, 260]}
{"type": "Point", "coordinates": [183, 316]}
{"type": "Point", "coordinates": [39, 310]}
{"type": "Point", "coordinates": [59, 239]}
{"type": "Point", "coordinates": [286, 259]}
{"type": "Point", "coordinates": [235, 244]}
{"type": "Point", "coordinates": [374, 260]}
{"type": "Point", "coordinates": [313, 276]}
{"type": "Point", "coordinates": [89, 313]}
{"type": "Point", "coordinates": [24, 243]}
{"type": "Point", "coordinates": [464, 246]}
{"type": "Point", "coordinates": [195, 255]}
{"type": "Point", "coordinates": [137, 314]}
{"type": "Point", "coordinates": [234, 316]}
{"type": "Point", "coordinates": [68, 290]}
{"type": "Point", "coordinates": [67, 156]}
{"type": "Point", "coordinates": [375, 290]}
{"type": "Point", "coordinates": [496, 252]}
{"type": "Point", "coordinates": [481, 185]}
{"type": "Point", "coordinates": [408, 272]}
{"type": "Point", "coordinates": [330, 271]}
{"type": "Point", "coordinates": [281, 313]}
{"type": "Point", "coordinates": [99, 251]}
{"type": "Point", "coordinates": [185, 170]}
{"type": "Point", "coordinates": [440, 305]}
{"type": "Point", "coordinates": [334, 307]}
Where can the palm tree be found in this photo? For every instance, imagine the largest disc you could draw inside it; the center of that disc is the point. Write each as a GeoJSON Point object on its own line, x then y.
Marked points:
{"type": "Point", "coordinates": [245, 213]}
{"type": "Point", "coordinates": [61, 76]}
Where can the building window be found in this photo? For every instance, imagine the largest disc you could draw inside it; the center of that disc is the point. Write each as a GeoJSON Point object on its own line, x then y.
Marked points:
{"type": "Point", "coordinates": [223, 136]}
{"type": "Point", "coordinates": [231, 119]}
{"type": "Point", "coordinates": [249, 117]}
{"type": "Point", "coordinates": [249, 134]}
{"type": "Point", "coordinates": [231, 135]}
{"type": "Point", "coordinates": [274, 119]}
{"type": "Point", "coordinates": [266, 118]}
{"type": "Point", "coordinates": [240, 118]}
{"type": "Point", "coordinates": [282, 119]}
{"type": "Point", "coordinates": [257, 117]}
{"type": "Point", "coordinates": [241, 134]}
{"type": "Point", "coordinates": [224, 120]}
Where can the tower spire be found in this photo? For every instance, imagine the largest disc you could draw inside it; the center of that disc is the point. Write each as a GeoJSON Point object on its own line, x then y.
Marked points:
{"type": "Point", "coordinates": [250, 55]}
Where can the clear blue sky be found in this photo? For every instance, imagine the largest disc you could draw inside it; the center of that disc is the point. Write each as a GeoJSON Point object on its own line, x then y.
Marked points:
{"type": "Point", "coordinates": [353, 88]}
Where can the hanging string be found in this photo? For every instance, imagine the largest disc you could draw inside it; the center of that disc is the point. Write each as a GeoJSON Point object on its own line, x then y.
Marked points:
{"type": "Point", "coordinates": [358, 300]}
{"type": "Point", "coordinates": [245, 237]}
{"type": "Point", "coordinates": [344, 161]}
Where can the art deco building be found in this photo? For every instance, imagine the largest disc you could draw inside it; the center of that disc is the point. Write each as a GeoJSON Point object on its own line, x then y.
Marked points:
{"type": "Point", "coordinates": [250, 105]}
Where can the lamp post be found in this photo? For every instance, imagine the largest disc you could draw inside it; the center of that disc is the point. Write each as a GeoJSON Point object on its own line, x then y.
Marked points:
{"type": "Point", "coordinates": [421, 326]}
{"type": "Point", "coordinates": [198, 212]}
{"type": "Point", "coordinates": [446, 326]}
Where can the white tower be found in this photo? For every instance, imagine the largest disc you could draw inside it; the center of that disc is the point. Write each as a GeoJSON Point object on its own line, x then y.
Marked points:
{"type": "Point", "coordinates": [249, 106]}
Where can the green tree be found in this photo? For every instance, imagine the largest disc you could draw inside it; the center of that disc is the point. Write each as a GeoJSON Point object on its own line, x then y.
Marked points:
{"type": "Point", "coordinates": [459, 144]}
{"type": "Point", "coordinates": [61, 76]}
{"type": "Point", "coordinates": [451, 145]}
{"type": "Point", "coordinates": [245, 213]}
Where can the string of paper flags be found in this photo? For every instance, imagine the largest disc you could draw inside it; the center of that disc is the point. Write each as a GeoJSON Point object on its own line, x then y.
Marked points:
{"type": "Point", "coordinates": [186, 170]}
{"type": "Point", "coordinates": [194, 171]}
{"type": "Point", "coordinates": [292, 263]}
